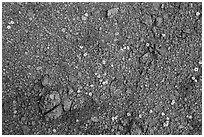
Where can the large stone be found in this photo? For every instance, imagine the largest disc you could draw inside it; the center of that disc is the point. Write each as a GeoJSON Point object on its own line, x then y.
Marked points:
{"type": "Point", "coordinates": [26, 130]}
{"type": "Point", "coordinates": [52, 100]}
{"type": "Point", "coordinates": [55, 113]}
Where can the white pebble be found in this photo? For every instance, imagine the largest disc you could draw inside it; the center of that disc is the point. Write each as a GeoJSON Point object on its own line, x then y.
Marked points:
{"type": "Point", "coordinates": [90, 93]}
{"type": "Point", "coordinates": [103, 61]}
{"type": "Point", "coordinates": [200, 62]}
{"type": "Point", "coordinates": [197, 13]}
{"type": "Point", "coordinates": [85, 54]}
{"type": "Point", "coordinates": [86, 14]}
{"type": "Point", "coordinates": [63, 29]}
{"type": "Point", "coordinates": [147, 44]}
{"type": "Point", "coordinates": [163, 35]}
{"type": "Point", "coordinates": [52, 96]}
{"type": "Point", "coordinates": [84, 18]}
{"type": "Point", "coordinates": [193, 78]}
{"type": "Point", "coordinates": [172, 102]}
{"type": "Point", "coordinates": [113, 118]}
{"type": "Point", "coordinates": [128, 114]}
{"type": "Point", "coordinates": [163, 114]}
{"type": "Point", "coordinates": [79, 91]}
{"type": "Point", "coordinates": [11, 22]}
{"type": "Point", "coordinates": [196, 69]}
{"type": "Point", "coordinates": [117, 33]}
{"type": "Point", "coordinates": [15, 111]}
{"type": "Point", "coordinates": [8, 27]}
{"type": "Point", "coordinates": [54, 130]}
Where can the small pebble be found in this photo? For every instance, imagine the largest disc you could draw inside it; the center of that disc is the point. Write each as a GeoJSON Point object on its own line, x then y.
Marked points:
{"type": "Point", "coordinates": [54, 130]}
{"type": "Point", "coordinates": [11, 22]}
{"type": "Point", "coordinates": [117, 33]}
{"type": "Point", "coordinates": [193, 78]}
{"type": "Point", "coordinates": [103, 61]}
{"type": "Point", "coordinates": [163, 35]}
{"type": "Point", "coordinates": [200, 62]}
{"type": "Point", "coordinates": [197, 13]}
{"type": "Point", "coordinates": [147, 44]}
{"type": "Point", "coordinates": [166, 124]}
{"type": "Point", "coordinates": [63, 29]}
{"type": "Point", "coordinates": [173, 102]}
{"type": "Point", "coordinates": [52, 96]}
{"type": "Point", "coordinates": [86, 14]}
{"type": "Point", "coordinates": [90, 93]}
{"type": "Point", "coordinates": [196, 69]}
{"type": "Point", "coordinates": [85, 54]}
{"type": "Point", "coordinates": [15, 111]}
{"type": "Point", "coordinates": [38, 68]}
{"type": "Point", "coordinates": [8, 27]}
{"type": "Point", "coordinates": [128, 114]}
{"type": "Point", "coordinates": [79, 91]}
{"type": "Point", "coordinates": [94, 119]}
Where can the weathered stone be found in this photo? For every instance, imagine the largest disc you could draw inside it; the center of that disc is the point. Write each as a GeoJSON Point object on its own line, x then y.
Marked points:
{"type": "Point", "coordinates": [52, 100]}
{"type": "Point", "coordinates": [26, 130]}
{"type": "Point", "coordinates": [67, 104]}
{"type": "Point", "coordinates": [55, 113]}
{"type": "Point", "coordinates": [112, 12]}
{"type": "Point", "coordinates": [159, 21]}
{"type": "Point", "coordinates": [45, 81]}
{"type": "Point", "coordinates": [94, 119]}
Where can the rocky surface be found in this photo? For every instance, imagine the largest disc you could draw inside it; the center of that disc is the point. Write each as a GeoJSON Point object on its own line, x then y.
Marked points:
{"type": "Point", "coordinates": [102, 68]}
